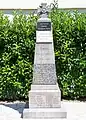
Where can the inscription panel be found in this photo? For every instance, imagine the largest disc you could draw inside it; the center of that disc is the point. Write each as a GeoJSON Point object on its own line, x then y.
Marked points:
{"type": "Point", "coordinates": [45, 99]}
{"type": "Point", "coordinates": [44, 74]}
{"type": "Point", "coordinates": [40, 100]}
{"type": "Point", "coordinates": [44, 54]}
{"type": "Point", "coordinates": [44, 36]}
{"type": "Point", "coordinates": [44, 26]}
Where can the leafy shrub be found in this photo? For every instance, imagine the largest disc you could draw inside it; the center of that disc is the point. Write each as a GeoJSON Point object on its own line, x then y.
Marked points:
{"type": "Point", "coordinates": [70, 51]}
{"type": "Point", "coordinates": [16, 55]}
{"type": "Point", "coordinates": [17, 41]}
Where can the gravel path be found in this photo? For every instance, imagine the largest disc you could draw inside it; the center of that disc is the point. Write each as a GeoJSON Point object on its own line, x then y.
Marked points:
{"type": "Point", "coordinates": [13, 110]}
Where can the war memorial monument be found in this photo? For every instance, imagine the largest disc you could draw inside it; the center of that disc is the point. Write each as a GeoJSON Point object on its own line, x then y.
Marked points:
{"type": "Point", "coordinates": [45, 95]}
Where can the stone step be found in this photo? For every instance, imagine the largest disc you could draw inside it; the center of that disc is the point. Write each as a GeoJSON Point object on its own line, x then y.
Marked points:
{"type": "Point", "coordinates": [50, 119]}
{"type": "Point", "coordinates": [45, 87]}
{"type": "Point", "coordinates": [45, 113]}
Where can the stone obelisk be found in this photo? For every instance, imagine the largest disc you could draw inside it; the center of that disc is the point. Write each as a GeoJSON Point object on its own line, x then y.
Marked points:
{"type": "Point", "coordinates": [45, 95]}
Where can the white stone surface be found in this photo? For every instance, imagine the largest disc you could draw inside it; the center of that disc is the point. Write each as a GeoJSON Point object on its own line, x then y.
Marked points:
{"type": "Point", "coordinates": [45, 87]}
{"type": "Point", "coordinates": [44, 54]}
{"type": "Point", "coordinates": [44, 59]}
{"type": "Point", "coordinates": [44, 20]}
{"type": "Point", "coordinates": [44, 36]}
{"type": "Point", "coordinates": [44, 99]}
{"type": "Point", "coordinates": [45, 113]}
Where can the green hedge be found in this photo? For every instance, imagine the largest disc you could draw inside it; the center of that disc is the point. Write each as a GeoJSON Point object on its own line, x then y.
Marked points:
{"type": "Point", "coordinates": [16, 55]}
{"type": "Point", "coordinates": [70, 51]}
{"type": "Point", "coordinates": [17, 42]}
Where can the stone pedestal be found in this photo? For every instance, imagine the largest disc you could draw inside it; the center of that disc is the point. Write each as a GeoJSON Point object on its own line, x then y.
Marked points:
{"type": "Point", "coordinates": [45, 95]}
{"type": "Point", "coordinates": [44, 103]}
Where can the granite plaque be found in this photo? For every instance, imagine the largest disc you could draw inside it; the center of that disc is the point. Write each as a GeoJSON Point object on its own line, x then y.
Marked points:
{"type": "Point", "coordinates": [44, 74]}
{"type": "Point", "coordinates": [44, 26]}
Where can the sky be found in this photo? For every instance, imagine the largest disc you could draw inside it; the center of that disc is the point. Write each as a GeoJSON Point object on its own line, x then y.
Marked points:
{"type": "Point", "coordinates": [33, 4]}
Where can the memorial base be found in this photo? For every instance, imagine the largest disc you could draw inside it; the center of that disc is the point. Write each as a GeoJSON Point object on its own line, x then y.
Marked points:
{"type": "Point", "coordinates": [44, 103]}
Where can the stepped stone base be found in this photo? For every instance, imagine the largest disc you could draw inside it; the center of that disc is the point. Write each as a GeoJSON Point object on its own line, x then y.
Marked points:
{"type": "Point", "coordinates": [44, 113]}
{"type": "Point", "coordinates": [44, 103]}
